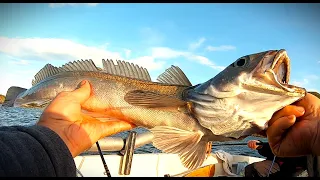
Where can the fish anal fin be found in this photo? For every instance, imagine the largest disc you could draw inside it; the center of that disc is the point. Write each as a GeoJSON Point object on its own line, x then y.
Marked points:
{"type": "Point", "coordinates": [152, 100]}
{"type": "Point", "coordinates": [126, 69]}
{"type": "Point", "coordinates": [174, 75]}
{"type": "Point", "coordinates": [188, 144]}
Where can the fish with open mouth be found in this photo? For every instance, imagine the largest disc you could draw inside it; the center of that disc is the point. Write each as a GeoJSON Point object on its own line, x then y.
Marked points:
{"type": "Point", "coordinates": [183, 118]}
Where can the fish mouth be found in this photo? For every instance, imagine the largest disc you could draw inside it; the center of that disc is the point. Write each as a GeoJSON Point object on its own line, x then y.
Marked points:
{"type": "Point", "coordinates": [273, 74]}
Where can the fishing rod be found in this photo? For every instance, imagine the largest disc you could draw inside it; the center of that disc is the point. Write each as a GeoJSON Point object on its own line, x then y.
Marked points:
{"type": "Point", "coordinates": [103, 161]}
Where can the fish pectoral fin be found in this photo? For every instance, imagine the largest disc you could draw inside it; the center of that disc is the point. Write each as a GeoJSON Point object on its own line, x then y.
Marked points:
{"type": "Point", "coordinates": [152, 100]}
{"type": "Point", "coordinates": [189, 145]}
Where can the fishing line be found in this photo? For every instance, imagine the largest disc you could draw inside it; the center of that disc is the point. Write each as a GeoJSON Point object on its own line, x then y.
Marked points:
{"type": "Point", "coordinates": [234, 144]}
{"type": "Point", "coordinates": [274, 158]}
{"type": "Point", "coordinates": [103, 161]}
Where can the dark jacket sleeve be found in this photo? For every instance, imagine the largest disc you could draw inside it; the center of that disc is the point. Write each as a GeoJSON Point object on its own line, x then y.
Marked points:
{"type": "Point", "coordinates": [266, 151]}
{"type": "Point", "coordinates": [34, 151]}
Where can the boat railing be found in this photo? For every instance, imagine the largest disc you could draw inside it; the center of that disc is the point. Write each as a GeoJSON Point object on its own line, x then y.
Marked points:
{"type": "Point", "coordinates": [125, 147]}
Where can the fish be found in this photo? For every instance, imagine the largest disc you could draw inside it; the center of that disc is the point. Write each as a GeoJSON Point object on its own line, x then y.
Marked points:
{"type": "Point", "coordinates": [237, 102]}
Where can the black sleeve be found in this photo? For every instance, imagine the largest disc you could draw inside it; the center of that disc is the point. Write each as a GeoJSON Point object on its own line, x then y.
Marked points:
{"type": "Point", "coordinates": [266, 151]}
{"type": "Point", "coordinates": [34, 151]}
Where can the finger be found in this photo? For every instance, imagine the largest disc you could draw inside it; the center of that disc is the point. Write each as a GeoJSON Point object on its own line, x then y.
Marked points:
{"type": "Point", "coordinates": [83, 92]}
{"type": "Point", "coordinates": [277, 129]}
{"type": "Point", "coordinates": [297, 111]}
{"type": "Point", "coordinates": [113, 127]}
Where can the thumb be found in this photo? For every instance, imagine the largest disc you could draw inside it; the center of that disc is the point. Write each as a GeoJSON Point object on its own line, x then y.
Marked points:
{"type": "Point", "coordinates": [276, 131]}
{"type": "Point", "coordinates": [82, 93]}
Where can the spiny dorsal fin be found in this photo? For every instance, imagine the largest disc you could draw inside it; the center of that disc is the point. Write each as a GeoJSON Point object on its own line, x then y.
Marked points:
{"type": "Point", "coordinates": [174, 75]}
{"type": "Point", "coordinates": [47, 71]}
{"type": "Point", "coordinates": [125, 69]}
{"type": "Point", "coordinates": [80, 65]}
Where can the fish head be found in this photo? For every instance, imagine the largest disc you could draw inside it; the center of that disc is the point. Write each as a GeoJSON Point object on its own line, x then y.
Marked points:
{"type": "Point", "coordinates": [241, 99]}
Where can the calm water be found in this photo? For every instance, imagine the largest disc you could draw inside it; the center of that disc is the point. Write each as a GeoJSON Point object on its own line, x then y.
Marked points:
{"type": "Point", "coordinates": [27, 117]}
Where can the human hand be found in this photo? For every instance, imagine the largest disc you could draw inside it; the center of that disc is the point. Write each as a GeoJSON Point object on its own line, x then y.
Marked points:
{"type": "Point", "coordinates": [78, 130]}
{"type": "Point", "coordinates": [252, 144]}
{"type": "Point", "coordinates": [294, 130]}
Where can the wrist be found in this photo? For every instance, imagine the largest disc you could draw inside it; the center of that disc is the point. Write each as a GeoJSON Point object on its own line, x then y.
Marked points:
{"type": "Point", "coordinates": [61, 134]}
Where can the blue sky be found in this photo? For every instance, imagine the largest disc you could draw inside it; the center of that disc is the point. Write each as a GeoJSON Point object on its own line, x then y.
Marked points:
{"type": "Point", "coordinates": [200, 38]}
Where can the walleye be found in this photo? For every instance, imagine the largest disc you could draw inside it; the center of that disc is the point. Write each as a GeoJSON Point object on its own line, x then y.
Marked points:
{"type": "Point", "coordinates": [183, 118]}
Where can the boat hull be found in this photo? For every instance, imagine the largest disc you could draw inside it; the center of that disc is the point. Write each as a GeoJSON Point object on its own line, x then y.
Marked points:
{"type": "Point", "coordinates": [153, 165]}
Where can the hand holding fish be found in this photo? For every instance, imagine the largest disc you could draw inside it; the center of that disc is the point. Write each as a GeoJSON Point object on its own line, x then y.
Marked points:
{"type": "Point", "coordinates": [294, 130]}
{"type": "Point", "coordinates": [79, 131]}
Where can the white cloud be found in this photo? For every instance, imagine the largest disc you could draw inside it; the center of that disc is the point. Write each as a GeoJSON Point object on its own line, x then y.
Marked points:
{"type": "Point", "coordinates": [308, 82]}
{"type": "Point", "coordinates": [167, 53]}
{"type": "Point", "coordinates": [148, 62]}
{"type": "Point", "coordinates": [53, 49]}
{"type": "Point", "coordinates": [221, 48]}
{"type": "Point", "coordinates": [197, 44]}
{"type": "Point", "coordinates": [152, 36]}
{"type": "Point", "coordinates": [55, 5]}
{"type": "Point", "coordinates": [319, 62]}
{"type": "Point", "coordinates": [20, 62]}
{"type": "Point", "coordinates": [312, 77]}
{"type": "Point", "coordinates": [127, 52]}
{"type": "Point", "coordinates": [20, 51]}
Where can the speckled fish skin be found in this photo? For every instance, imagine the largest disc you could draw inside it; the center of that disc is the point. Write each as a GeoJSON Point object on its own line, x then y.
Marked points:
{"type": "Point", "coordinates": [110, 91]}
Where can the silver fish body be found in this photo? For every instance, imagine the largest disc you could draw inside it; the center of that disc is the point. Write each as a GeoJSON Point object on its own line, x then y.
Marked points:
{"type": "Point", "coordinates": [183, 118]}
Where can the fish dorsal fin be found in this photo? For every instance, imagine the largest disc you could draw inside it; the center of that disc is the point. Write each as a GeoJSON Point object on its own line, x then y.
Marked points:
{"type": "Point", "coordinates": [80, 65]}
{"type": "Point", "coordinates": [174, 75]}
{"type": "Point", "coordinates": [125, 69]}
{"type": "Point", "coordinates": [47, 71]}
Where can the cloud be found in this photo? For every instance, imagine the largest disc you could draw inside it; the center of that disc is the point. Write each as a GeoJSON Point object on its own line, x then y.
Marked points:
{"type": "Point", "coordinates": [55, 5]}
{"type": "Point", "coordinates": [152, 36]}
{"type": "Point", "coordinates": [318, 62]}
{"type": "Point", "coordinates": [167, 53]}
{"type": "Point", "coordinates": [312, 77]}
{"type": "Point", "coordinates": [307, 82]}
{"type": "Point", "coordinates": [48, 49]}
{"type": "Point", "coordinates": [53, 49]}
{"type": "Point", "coordinates": [221, 48]}
{"type": "Point", "coordinates": [23, 51]}
{"type": "Point", "coordinates": [127, 52]}
{"type": "Point", "coordinates": [148, 62]}
{"type": "Point", "coordinates": [20, 62]}
{"type": "Point", "coordinates": [197, 44]}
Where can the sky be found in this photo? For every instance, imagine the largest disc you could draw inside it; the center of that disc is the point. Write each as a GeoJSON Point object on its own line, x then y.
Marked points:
{"type": "Point", "coordinates": [201, 39]}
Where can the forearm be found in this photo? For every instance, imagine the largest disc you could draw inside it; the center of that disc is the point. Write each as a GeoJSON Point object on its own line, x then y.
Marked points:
{"type": "Point", "coordinates": [315, 146]}
{"type": "Point", "coordinates": [34, 151]}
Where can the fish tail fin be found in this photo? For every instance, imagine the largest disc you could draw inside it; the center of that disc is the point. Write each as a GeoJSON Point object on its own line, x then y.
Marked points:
{"type": "Point", "coordinates": [191, 146]}
{"type": "Point", "coordinates": [11, 95]}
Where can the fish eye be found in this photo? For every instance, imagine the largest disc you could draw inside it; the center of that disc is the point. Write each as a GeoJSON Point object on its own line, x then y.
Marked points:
{"type": "Point", "coordinates": [241, 62]}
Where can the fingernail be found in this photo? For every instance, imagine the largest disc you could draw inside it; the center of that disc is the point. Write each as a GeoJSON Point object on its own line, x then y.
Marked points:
{"type": "Point", "coordinates": [83, 82]}
{"type": "Point", "coordinates": [300, 109]}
